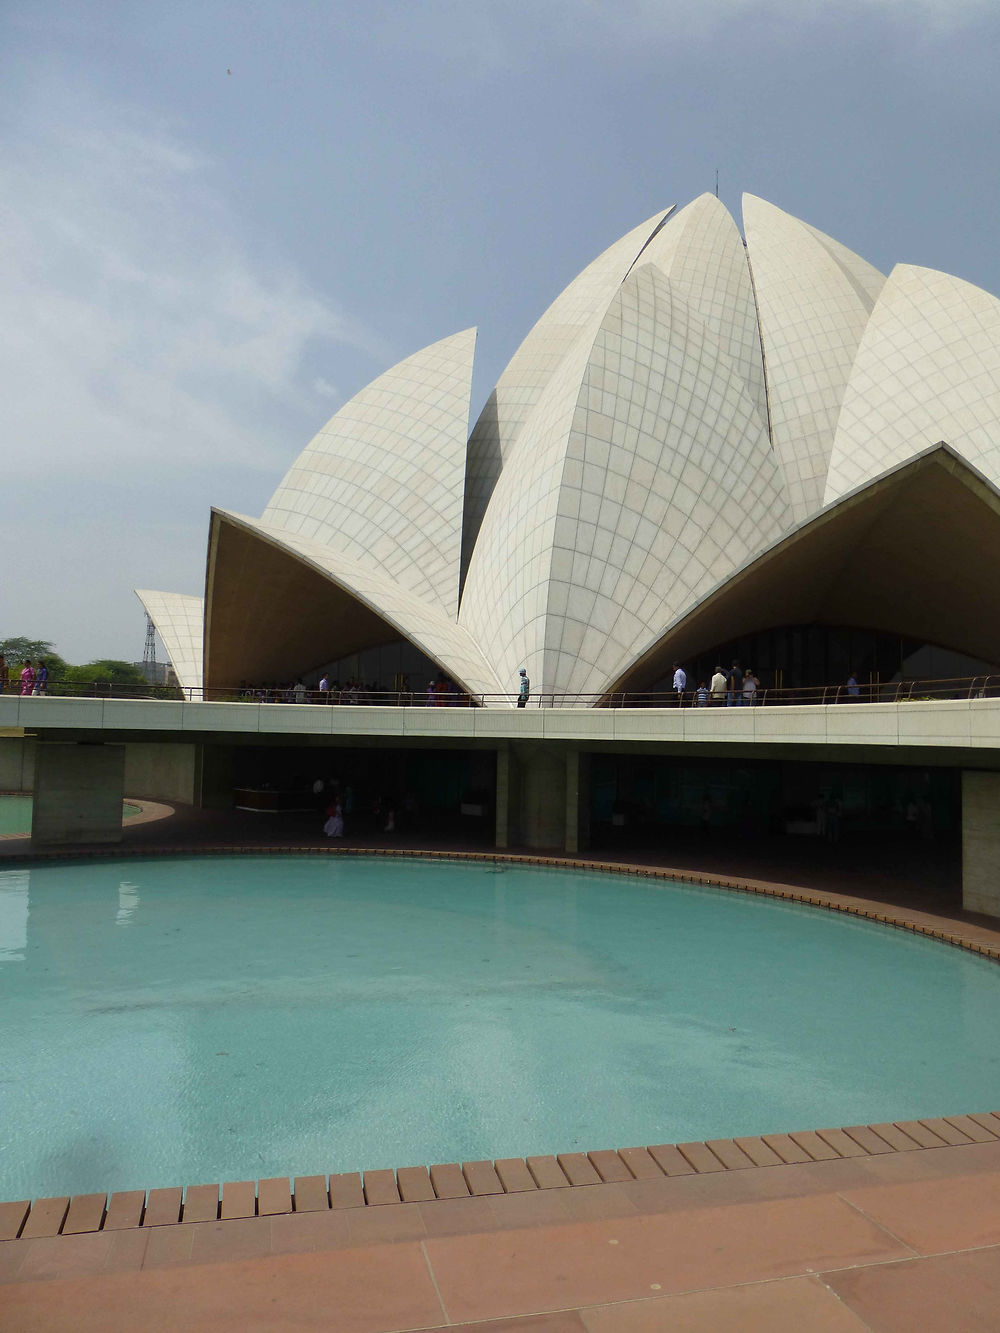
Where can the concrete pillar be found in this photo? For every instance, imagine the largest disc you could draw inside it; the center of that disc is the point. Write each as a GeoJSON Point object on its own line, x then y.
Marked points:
{"type": "Point", "coordinates": [981, 842]}
{"type": "Point", "coordinates": [17, 760]}
{"type": "Point", "coordinates": [161, 770]}
{"type": "Point", "coordinates": [577, 801]}
{"type": "Point", "coordinates": [543, 795]}
{"type": "Point", "coordinates": [506, 776]}
{"type": "Point", "coordinates": [78, 793]}
{"type": "Point", "coordinates": [215, 781]}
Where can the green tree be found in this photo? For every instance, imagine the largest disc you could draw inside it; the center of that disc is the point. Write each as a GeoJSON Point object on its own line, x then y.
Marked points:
{"type": "Point", "coordinates": [16, 650]}
{"type": "Point", "coordinates": [107, 671]}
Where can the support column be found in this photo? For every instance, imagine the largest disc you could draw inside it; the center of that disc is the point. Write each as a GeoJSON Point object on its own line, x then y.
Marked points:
{"type": "Point", "coordinates": [214, 778]}
{"type": "Point", "coordinates": [506, 793]}
{"type": "Point", "coordinates": [17, 760]}
{"type": "Point", "coordinates": [981, 842]}
{"type": "Point", "coordinates": [78, 793]}
{"type": "Point", "coordinates": [577, 801]}
{"type": "Point", "coordinates": [161, 770]}
{"type": "Point", "coordinates": [545, 780]}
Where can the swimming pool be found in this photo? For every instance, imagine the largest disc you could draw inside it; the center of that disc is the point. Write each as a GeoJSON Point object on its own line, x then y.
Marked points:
{"type": "Point", "coordinates": [167, 1022]}
{"type": "Point", "coordinates": [15, 814]}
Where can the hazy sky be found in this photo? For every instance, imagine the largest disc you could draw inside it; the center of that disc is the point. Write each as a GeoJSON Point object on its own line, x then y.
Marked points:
{"type": "Point", "coordinates": [198, 266]}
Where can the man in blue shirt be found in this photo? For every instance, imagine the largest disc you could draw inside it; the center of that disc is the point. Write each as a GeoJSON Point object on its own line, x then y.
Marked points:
{"type": "Point", "coordinates": [524, 688]}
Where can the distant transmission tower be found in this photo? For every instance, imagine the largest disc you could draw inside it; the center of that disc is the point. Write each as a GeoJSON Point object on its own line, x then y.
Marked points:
{"type": "Point", "coordinates": [149, 652]}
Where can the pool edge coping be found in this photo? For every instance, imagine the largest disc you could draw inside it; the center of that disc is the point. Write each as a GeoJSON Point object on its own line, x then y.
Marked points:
{"type": "Point", "coordinates": [918, 922]}
{"type": "Point", "coordinates": [131, 1210]}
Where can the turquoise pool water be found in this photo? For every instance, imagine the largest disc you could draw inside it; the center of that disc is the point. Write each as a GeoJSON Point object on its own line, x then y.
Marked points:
{"type": "Point", "coordinates": [15, 813]}
{"type": "Point", "coordinates": [175, 1021]}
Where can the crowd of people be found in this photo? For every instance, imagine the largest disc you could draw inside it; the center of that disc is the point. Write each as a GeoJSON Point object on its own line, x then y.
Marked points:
{"type": "Point", "coordinates": [338, 805]}
{"type": "Point", "coordinates": [32, 679]}
{"type": "Point", "coordinates": [733, 688]}
{"type": "Point", "coordinates": [439, 693]}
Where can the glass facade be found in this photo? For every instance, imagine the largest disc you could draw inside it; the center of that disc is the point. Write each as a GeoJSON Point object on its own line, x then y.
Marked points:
{"type": "Point", "coordinates": [637, 792]}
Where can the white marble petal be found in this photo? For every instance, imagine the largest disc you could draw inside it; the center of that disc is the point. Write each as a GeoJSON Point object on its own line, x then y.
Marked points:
{"type": "Point", "coordinates": [700, 249]}
{"type": "Point", "coordinates": [813, 302]}
{"type": "Point", "coordinates": [533, 365]}
{"type": "Point", "coordinates": [383, 480]}
{"type": "Point", "coordinates": [434, 633]}
{"type": "Point", "coordinates": [928, 369]}
{"type": "Point", "coordinates": [179, 620]}
{"type": "Point", "coordinates": [866, 277]}
{"type": "Point", "coordinates": [644, 477]}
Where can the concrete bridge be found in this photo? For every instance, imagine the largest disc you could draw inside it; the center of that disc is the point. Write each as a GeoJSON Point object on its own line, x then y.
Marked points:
{"type": "Point", "coordinates": [79, 756]}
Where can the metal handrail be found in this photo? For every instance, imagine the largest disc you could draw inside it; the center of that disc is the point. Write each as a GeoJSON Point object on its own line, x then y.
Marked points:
{"type": "Point", "coordinates": [828, 695]}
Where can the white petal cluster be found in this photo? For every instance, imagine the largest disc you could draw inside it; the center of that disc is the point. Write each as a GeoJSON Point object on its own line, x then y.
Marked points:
{"type": "Point", "coordinates": [684, 405]}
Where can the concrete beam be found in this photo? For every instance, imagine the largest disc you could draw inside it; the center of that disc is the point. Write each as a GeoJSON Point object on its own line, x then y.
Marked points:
{"type": "Point", "coordinates": [955, 725]}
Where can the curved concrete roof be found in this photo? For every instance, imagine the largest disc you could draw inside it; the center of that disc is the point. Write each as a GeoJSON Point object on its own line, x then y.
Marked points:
{"type": "Point", "coordinates": [644, 476]}
{"type": "Point", "coordinates": [927, 369]}
{"type": "Point", "coordinates": [535, 362]}
{"type": "Point", "coordinates": [383, 480]}
{"type": "Point", "coordinates": [406, 615]}
{"type": "Point", "coordinates": [179, 620]}
{"type": "Point", "coordinates": [812, 306]}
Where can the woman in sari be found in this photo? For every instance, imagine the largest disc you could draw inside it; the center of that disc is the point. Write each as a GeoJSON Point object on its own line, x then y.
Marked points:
{"type": "Point", "coordinates": [27, 678]}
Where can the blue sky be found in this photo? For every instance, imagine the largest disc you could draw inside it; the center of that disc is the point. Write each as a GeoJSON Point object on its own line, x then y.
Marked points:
{"type": "Point", "coordinates": [199, 266]}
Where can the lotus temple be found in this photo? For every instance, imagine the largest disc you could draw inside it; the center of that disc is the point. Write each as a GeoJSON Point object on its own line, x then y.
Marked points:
{"type": "Point", "coordinates": [714, 446]}
{"type": "Point", "coordinates": [708, 447]}
{"type": "Point", "coordinates": [754, 934]}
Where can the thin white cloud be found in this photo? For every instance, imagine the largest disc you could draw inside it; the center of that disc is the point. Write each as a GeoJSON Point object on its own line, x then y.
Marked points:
{"type": "Point", "coordinates": [641, 19]}
{"type": "Point", "coordinates": [137, 323]}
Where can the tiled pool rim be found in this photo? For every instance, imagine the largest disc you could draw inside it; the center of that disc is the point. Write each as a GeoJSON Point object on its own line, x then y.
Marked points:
{"type": "Point", "coordinates": [919, 923]}
{"type": "Point", "coordinates": [73, 1215]}
{"type": "Point", "coordinates": [133, 1209]}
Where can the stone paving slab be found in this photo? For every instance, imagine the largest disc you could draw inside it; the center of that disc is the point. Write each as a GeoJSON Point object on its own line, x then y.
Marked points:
{"type": "Point", "coordinates": [756, 1248]}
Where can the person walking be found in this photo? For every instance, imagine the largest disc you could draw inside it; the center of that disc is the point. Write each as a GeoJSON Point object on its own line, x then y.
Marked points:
{"type": "Point", "coordinates": [750, 683]}
{"type": "Point", "coordinates": [853, 688]}
{"type": "Point", "coordinates": [324, 688]}
{"type": "Point", "coordinates": [4, 675]}
{"type": "Point", "coordinates": [523, 689]}
{"type": "Point", "coordinates": [334, 826]}
{"type": "Point", "coordinates": [717, 690]}
{"type": "Point", "coordinates": [27, 678]}
{"type": "Point", "coordinates": [701, 696]}
{"type": "Point", "coordinates": [680, 683]}
{"type": "Point", "coordinates": [734, 686]}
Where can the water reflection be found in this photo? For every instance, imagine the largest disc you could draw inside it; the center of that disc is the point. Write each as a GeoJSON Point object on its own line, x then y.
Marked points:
{"type": "Point", "coordinates": [128, 902]}
{"type": "Point", "coordinates": [13, 915]}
